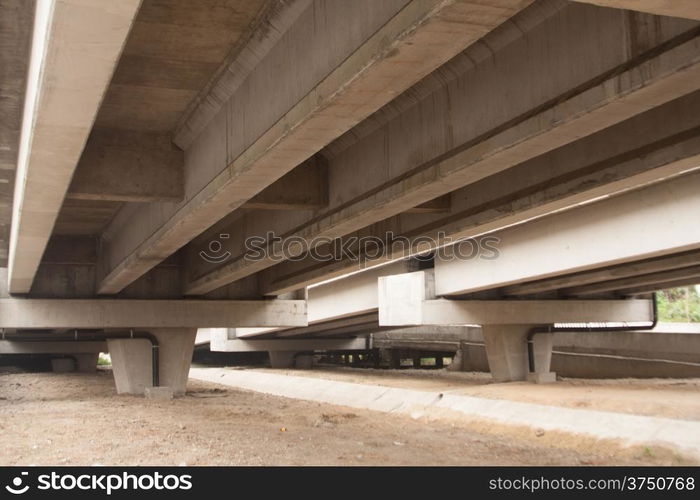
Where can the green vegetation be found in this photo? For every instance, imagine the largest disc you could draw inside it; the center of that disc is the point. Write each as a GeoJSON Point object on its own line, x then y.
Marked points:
{"type": "Point", "coordinates": [679, 304]}
{"type": "Point", "coordinates": [104, 360]}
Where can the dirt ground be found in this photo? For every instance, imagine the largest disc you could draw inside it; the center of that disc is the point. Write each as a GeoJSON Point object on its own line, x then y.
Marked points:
{"type": "Point", "coordinates": [77, 419]}
{"type": "Point", "coordinates": [670, 398]}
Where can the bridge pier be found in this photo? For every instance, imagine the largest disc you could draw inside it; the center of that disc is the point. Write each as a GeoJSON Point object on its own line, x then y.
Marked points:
{"type": "Point", "coordinates": [507, 353]}
{"type": "Point", "coordinates": [86, 363]}
{"type": "Point", "coordinates": [409, 300]}
{"type": "Point", "coordinates": [132, 361]}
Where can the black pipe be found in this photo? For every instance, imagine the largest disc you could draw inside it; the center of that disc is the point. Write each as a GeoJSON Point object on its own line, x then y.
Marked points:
{"type": "Point", "coordinates": [155, 347]}
{"type": "Point", "coordinates": [552, 329]}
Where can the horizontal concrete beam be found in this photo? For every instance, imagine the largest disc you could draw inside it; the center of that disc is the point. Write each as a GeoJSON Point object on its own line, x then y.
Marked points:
{"type": "Point", "coordinates": [691, 274]}
{"type": "Point", "coordinates": [121, 165]}
{"type": "Point", "coordinates": [108, 313]}
{"type": "Point", "coordinates": [636, 86]}
{"type": "Point", "coordinates": [642, 224]}
{"type": "Point", "coordinates": [657, 265]}
{"type": "Point", "coordinates": [405, 300]}
{"type": "Point", "coordinates": [675, 8]}
{"type": "Point", "coordinates": [219, 344]}
{"type": "Point", "coordinates": [410, 44]}
{"type": "Point", "coordinates": [304, 188]}
{"type": "Point", "coordinates": [350, 296]}
{"type": "Point", "coordinates": [628, 155]}
{"type": "Point", "coordinates": [348, 327]}
{"type": "Point", "coordinates": [51, 347]}
{"type": "Point", "coordinates": [75, 50]}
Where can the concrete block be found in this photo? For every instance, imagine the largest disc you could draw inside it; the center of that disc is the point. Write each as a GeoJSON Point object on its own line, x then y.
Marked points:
{"type": "Point", "coordinates": [304, 362]}
{"type": "Point", "coordinates": [63, 365]}
{"type": "Point", "coordinates": [542, 378]}
{"type": "Point", "coordinates": [87, 363]}
{"type": "Point", "coordinates": [159, 393]}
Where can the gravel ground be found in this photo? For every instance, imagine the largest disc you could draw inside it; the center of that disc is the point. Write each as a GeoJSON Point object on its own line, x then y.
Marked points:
{"type": "Point", "coordinates": [78, 419]}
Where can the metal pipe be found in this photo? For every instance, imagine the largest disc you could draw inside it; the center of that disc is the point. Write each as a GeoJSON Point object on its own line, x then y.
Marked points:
{"type": "Point", "coordinates": [552, 329]}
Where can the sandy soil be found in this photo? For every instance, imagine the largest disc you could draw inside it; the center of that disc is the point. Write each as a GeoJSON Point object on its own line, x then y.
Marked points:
{"type": "Point", "coordinates": [77, 419]}
{"type": "Point", "coordinates": [671, 398]}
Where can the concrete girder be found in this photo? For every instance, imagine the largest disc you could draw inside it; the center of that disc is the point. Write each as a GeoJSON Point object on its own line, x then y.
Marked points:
{"type": "Point", "coordinates": [657, 265]}
{"type": "Point", "coordinates": [635, 86]}
{"type": "Point", "coordinates": [348, 327]}
{"type": "Point", "coordinates": [109, 313]}
{"type": "Point", "coordinates": [688, 274]}
{"type": "Point", "coordinates": [51, 347]}
{"type": "Point", "coordinates": [221, 343]}
{"type": "Point", "coordinates": [627, 155]}
{"type": "Point", "coordinates": [124, 165]}
{"type": "Point", "coordinates": [419, 38]}
{"type": "Point", "coordinates": [650, 222]}
{"type": "Point", "coordinates": [75, 50]}
{"type": "Point", "coordinates": [675, 8]}
{"type": "Point", "coordinates": [407, 300]}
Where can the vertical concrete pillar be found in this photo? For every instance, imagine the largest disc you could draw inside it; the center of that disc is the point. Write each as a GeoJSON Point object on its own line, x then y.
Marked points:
{"type": "Point", "coordinates": [282, 359]}
{"type": "Point", "coordinates": [506, 349]}
{"type": "Point", "coordinates": [87, 363]}
{"type": "Point", "coordinates": [132, 365]}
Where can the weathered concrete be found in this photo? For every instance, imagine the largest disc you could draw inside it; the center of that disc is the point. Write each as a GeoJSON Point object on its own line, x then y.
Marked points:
{"type": "Point", "coordinates": [86, 363]}
{"type": "Point", "coordinates": [96, 313]}
{"type": "Point", "coordinates": [49, 347]}
{"type": "Point", "coordinates": [404, 300]}
{"type": "Point", "coordinates": [675, 8]}
{"type": "Point", "coordinates": [506, 348]}
{"type": "Point", "coordinates": [63, 365]}
{"type": "Point", "coordinates": [670, 350]}
{"type": "Point", "coordinates": [658, 265]}
{"type": "Point", "coordinates": [631, 154]}
{"type": "Point", "coordinates": [75, 49]}
{"type": "Point", "coordinates": [282, 359]}
{"type": "Point", "coordinates": [396, 47]}
{"type": "Point", "coordinates": [16, 18]}
{"type": "Point", "coordinates": [417, 170]}
{"type": "Point", "coordinates": [221, 342]}
{"type": "Point", "coordinates": [150, 168]}
{"type": "Point", "coordinates": [132, 361]}
{"type": "Point", "coordinates": [654, 221]}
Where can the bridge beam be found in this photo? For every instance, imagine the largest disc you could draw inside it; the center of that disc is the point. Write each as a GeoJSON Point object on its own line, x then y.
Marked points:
{"type": "Point", "coordinates": [406, 46]}
{"type": "Point", "coordinates": [408, 300]}
{"type": "Point", "coordinates": [109, 313]}
{"type": "Point", "coordinates": [645, 223]}
{"type": "Point", "coordinates": [75, 50]}
{"type": "Point", "coordinates": [419, 171]}
{"type": "Point", "coordinates": [675, 8]}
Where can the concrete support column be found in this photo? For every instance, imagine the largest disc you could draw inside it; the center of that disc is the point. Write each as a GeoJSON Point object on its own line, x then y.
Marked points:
{"type": "Point", "coordinates": [86, 363]}
{"type": "Point", "coordinates": [132, 366]}
{"type": "Point", "coordinates": [506, 349]}
{"type": "Point", "coordinates": [282, 359]}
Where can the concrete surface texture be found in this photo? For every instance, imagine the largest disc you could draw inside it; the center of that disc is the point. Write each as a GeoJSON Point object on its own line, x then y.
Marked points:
{"type": "Point", "coordinates": [157, 139]}
{"type": "Point", "coordinates": [133, 367]}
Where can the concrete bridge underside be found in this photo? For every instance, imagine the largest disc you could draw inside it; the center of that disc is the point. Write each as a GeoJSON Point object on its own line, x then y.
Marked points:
{"type": "Point", "coordinates": [145, 145]}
